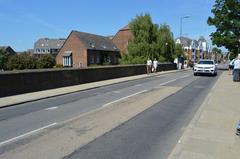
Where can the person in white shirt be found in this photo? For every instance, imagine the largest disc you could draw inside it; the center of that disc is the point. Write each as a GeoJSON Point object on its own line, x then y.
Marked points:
{"type": "Point", "coordinates": [149, 65]}
{"type": "Point", "coordinates": [155, 65]}
{"type": "Point", "coordinates": [236, 69]}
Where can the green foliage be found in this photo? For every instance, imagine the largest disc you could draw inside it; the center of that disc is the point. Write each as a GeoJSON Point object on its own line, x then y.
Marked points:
{"type": "Point", "coordinates": [58, 66]}
{"type": "Point", "coordinates": [217, 50]}
{"type": "Point", "coordinates": [130, 59]}
{"type": "Point", "coordinates": [150, 41]}
{"type": "Point", "coordinates": [45, 61]}
{"type": "Point", "coordinates": [227, 23]}
{"type": "Point", "coordinates": [20, 62]}
{"type": "Point", "coordinates": [165, 43]}
{"type": "Point", "coordinates": [145, 35]}
{"type": "Point", "coordinates": [3, 59]}
{"type": "Point", "coordinates": [178, 50]}
{"type": "Point", "coordinates": [232, 56]}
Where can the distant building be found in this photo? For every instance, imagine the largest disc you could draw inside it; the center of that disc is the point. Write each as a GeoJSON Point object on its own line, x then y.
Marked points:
{"type": "Point", "coordinates": [195, 49]}
{"type": "Point", "coordinates": [47, 46]}
{"type": "Point", "coordinates": [84, 49]}
{"type": "Point", "coordinates": [122, 38]}
{"type": "Point", "coordinates": [8, 49]}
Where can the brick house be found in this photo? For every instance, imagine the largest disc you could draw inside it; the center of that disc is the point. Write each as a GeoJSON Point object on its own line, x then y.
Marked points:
{"type": "Point", "coordinates": [84, 49]}
{"type": "Point", "coordinates": [121, 39]}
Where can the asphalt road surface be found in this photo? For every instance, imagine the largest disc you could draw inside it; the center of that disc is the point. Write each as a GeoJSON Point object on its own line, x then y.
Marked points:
{"type": "Point", "coordinates": [151, 134]}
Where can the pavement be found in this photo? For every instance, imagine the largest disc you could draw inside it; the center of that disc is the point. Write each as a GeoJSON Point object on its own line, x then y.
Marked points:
{"type": "Point", "coordinates": [34, 96]}
{"type": "Point", "coordinates": [211, 133]}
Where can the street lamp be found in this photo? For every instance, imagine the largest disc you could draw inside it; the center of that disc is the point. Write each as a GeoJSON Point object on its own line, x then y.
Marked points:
{"type": "Point", "coordinates": [181, 19]}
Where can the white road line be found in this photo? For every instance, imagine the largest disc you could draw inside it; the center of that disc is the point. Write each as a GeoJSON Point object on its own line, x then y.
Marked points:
{"type": "Point", "coordinates": [186, 76]}
{"type": "Point", "coordinates": [24, 135]}
{"type": "Point", "coordinates": [51, 108]}
{"type": "Point", "coordinates": [162, 84]}
{"type": "Point", "coordinates": [123, 98]}
{"type": "Point", "coordinates": [116, 92]}
{"type": "Point", "coordinates": [138, 85]}
{"type": "Point", "coordinates": [162, 75]}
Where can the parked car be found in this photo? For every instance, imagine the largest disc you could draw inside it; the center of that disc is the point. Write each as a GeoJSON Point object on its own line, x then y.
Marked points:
{"type": "Point", "coordinates": [205, 66]}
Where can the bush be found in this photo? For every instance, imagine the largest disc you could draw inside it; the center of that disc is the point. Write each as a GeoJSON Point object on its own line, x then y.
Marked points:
{"type": "Point", "coordinates": [45, 61]}
{"type": "Point", "coordinates": [58, 66]}
{"type": "Point", "coordinates": [3, 59]}
{"type": "Point", "coordinates": [21, 61]}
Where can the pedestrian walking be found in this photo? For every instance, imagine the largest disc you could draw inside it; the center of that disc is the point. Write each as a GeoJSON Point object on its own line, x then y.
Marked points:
{"type": "Point", "coordinates": [236, 69]}
{"type": "Point", "coordinates": [149, 66]}
{"type": "Point", "coordinates": [155, 65]}
{"type": "Point", "coordinates": [231, 66]}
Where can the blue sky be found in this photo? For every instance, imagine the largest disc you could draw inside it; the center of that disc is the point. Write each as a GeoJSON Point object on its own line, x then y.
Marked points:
{"type": "Point", "coordinates": [24, 21]}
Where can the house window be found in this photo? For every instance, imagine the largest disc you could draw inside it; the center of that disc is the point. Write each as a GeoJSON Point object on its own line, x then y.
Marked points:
{"type": "Point", "coordinates": [91, 59]}
{"type": "Point", "coordinates": [97, 59]}
{"type": "Point", "coordinates": [67, 59]}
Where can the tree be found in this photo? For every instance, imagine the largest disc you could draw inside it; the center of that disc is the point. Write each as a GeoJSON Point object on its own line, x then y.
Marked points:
{"type": "Point", "coordinates": [227, 23]}
{"type": "Point", "coordinates": [45, 61]}
{"type": "Point", "coordinates": [178, 51]}
{"type": "Point", "coordinates": [216, 51]}
{"type": "Point", "coordinates": [165, 43]}
{"type": "Point", "coordinates": [144, 41]}
{"type": "Point", "coordinates": [3, 59]}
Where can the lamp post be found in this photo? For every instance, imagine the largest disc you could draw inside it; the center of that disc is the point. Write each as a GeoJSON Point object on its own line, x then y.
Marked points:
{"type": "Point", "coordinates": [181, 19]}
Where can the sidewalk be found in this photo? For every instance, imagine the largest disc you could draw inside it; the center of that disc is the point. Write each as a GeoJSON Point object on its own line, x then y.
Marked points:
{"type": "Point", "coordinates": [27, 97]}
{"type": "Point", "coordinates": [211, 134]}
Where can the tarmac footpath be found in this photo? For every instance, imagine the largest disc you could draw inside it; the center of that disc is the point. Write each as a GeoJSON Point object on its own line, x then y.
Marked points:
{"type": "Point", "coordinates": [211, 133]}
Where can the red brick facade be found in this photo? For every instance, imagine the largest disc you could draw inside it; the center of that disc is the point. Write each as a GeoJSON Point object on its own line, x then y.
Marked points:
{"type": "Point", "coordinates": [121, 39]}
{"type": "Point", "coordinates": [79, 51]}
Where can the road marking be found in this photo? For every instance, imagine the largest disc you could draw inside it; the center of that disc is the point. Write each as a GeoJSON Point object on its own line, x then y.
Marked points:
{"type": "Point", "coordinates": [24, 135]}
{"type": "Point", "coordinates": [167, 82]}
{"type": "Point", "coordinates": [51, 108]}
{"type": "Point", "coordinates": [162, 84]}
{"type": "Point", "coordinates": [162, 75]}
{"type": "Point", "coordinates": [185, 76]}
{"type": "Point", "coordinates": [138, 85]}
{"type": "Point", "coordinates": [105, 105]}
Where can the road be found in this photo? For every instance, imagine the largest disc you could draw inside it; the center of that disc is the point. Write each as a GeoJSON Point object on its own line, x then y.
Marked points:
{"type": "Point", "coordinates": [151, 134]}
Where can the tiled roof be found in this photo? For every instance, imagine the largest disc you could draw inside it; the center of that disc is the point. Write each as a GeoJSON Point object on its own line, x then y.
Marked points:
{"type": "Point", "coordinates": [185, 41]}
{"type": "Point", "coordinates": [49, 43]}
{"type": "Point", "coordinates": [125, 28]}
{"type": "Point", "coordinates": [96, 42]}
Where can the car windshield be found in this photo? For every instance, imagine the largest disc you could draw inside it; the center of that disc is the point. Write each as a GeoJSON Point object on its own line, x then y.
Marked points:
{"type": "Point", "coordinates": [206, 62]}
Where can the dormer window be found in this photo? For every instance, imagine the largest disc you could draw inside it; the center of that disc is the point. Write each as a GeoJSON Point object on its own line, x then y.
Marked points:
{"type": "Point", "coordinates": [92, 45]}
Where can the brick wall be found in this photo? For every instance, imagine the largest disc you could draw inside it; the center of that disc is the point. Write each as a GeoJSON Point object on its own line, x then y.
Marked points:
{"type": "Point", "coordinates": [121, 40]}
{"type": "Point", "coordinates": [13, 83]}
